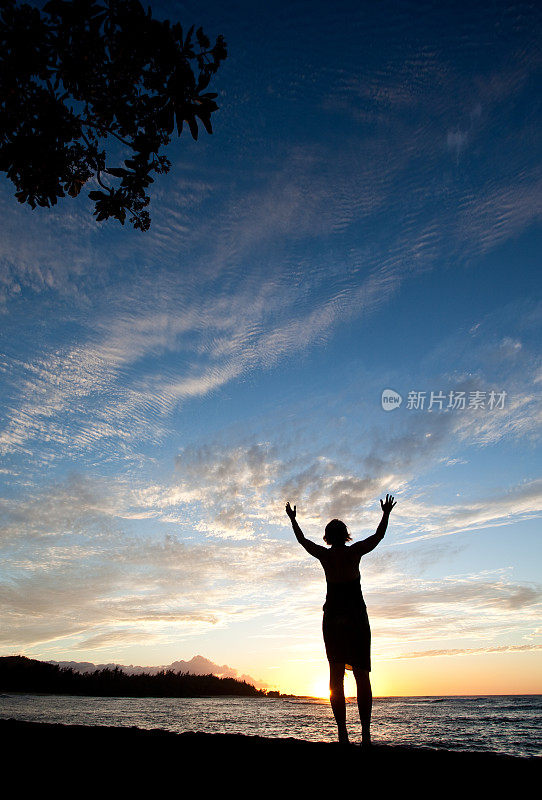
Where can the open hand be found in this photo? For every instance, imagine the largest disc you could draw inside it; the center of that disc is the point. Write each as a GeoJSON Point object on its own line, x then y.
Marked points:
{"type": "Point", "coordinates": [291, 512]}
{"type": "Point", "coordinates": [387, 504]}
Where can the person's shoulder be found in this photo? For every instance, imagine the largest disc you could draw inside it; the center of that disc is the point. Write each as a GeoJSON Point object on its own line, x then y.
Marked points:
{"type": "Point", "coordinates": [323, 551]}
{"type": "Point", "coordinates": [314, 549]}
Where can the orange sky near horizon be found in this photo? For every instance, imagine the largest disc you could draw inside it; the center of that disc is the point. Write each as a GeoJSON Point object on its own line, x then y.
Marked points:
{"type": "Point", "coordinates": [480, 674]}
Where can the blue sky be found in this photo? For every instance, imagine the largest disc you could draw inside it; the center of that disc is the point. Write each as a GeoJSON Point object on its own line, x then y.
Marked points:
{"type": "Point", "coordinates": [366, 216]}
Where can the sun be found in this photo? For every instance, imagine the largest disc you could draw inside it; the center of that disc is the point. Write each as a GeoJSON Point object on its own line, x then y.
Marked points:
{"type": "Point", "coordinates": [321, 688]}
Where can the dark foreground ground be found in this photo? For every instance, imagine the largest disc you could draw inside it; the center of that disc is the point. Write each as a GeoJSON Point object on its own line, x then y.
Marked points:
{"type": "Point", "coordinates": [75, 760]}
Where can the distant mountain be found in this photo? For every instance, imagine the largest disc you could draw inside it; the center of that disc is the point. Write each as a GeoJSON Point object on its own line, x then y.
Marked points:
{"type": "Point", "coordinates": [198, 665]}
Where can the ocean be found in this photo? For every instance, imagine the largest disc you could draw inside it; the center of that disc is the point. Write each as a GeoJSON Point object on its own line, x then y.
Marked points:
{"type": "Point", "coordinates": [500, 724]}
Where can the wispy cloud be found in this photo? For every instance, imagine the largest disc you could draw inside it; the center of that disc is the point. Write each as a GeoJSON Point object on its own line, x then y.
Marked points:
{"type": "Point", "coordinates": [78, 575]}
{"type": "Point", "coordinates": [516, 503]}
{"type": "Point", "coordinates": [467, 651]}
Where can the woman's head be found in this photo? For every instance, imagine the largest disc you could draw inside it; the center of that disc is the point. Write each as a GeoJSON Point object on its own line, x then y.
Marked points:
{"type": "Point", "coordinates": [336, 532]}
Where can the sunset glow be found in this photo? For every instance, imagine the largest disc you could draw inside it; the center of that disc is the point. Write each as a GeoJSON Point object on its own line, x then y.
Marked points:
{"type": "Point", "coordinates": [321, 688]}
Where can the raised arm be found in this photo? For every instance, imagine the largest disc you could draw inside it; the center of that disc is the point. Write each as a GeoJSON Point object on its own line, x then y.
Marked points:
{"type": "Point", "coordinates": [314, 549]}
{"type": "Point", "coordinates": [371, 542]}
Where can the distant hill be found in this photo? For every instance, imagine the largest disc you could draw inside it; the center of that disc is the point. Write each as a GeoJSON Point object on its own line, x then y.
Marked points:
{"type": "Point", "coordinates": [21, 674]}
{"type": "Point", "coordinates": [197, 665]}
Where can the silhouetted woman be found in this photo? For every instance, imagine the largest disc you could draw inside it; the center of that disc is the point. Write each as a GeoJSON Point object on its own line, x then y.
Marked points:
{"type": "Point", "coordinates": [347, 634]}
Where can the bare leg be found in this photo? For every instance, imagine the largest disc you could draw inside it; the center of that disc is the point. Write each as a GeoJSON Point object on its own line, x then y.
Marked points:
{"type": "Point", "coordinates": [365, 703]}
{"type": "Point", "coordinates": [338, 704]}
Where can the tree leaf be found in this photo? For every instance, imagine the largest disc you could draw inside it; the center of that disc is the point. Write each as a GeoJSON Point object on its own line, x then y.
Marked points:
{"type": "Point", "coordinates": [193, 125]}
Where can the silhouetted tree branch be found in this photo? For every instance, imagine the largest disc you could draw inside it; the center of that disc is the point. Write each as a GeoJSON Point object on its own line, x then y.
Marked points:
{"type": "Point", "coordinates": [80, 72]}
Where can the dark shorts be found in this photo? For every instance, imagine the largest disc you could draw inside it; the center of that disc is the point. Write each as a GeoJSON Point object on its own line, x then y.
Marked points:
{"type": "Point", "coordinates": [347, 637]}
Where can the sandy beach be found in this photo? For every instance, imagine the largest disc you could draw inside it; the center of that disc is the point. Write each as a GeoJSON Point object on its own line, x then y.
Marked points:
{"type": "Point", "coordinates": [136, 761]}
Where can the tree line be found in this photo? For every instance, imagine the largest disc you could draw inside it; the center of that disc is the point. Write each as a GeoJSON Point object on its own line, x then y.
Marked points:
{"type": "Point", "coordinates": [27, 675]}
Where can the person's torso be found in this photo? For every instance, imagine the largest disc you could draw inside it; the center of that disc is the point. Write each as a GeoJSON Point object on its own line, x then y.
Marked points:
{"type": "Point", "coordinates": [341, 564]}
{"type": "Point", "coordinates": [344, 596]}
